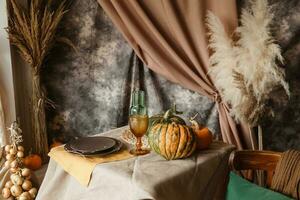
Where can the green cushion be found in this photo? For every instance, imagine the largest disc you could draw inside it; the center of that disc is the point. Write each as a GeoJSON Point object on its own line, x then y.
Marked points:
{"type": "Point", "coordinates": [241, 189]}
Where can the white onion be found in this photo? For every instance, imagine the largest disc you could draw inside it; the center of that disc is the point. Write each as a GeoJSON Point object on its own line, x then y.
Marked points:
{"type": "Point", "coordinates": [8, 184]}
{"type": "Point", "coordinates": [25, 172]}
{"type": "Point", "coordinates": [7, 163]}
{"type": "Point", "coordinates": [25, 196]}
{"type": "Point", "coordinates": [7, 148]}
{"type": "Point", "coordinates": [14, 164]}
{"type": "Point", "coordinates": [20, 154]}
{"type": "Point", "coordinates": [16, 179]}
{"type": "Point", "coordinates": [20, 148]}
{"type": "Point", "coordinates": [33, 192]}
{"type": "Point", "coordinates": [6, 193]}
{"type": "Point", "coordinates": [16, 190]}
{"type": "Point", "coordinates": [27, 185]}
{"type": "Point", "coordinates": [13, 151]}
{"type": "Point", "coordinates": [10, 157]}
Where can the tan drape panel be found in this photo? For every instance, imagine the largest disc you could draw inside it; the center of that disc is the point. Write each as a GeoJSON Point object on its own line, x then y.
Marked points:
{"type": "Point", "coordinates": [171, 38]}
{"type": "Point", "coordinates": [3, 129]}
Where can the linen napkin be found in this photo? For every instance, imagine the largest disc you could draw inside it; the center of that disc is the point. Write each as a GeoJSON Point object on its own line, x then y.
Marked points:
{"type": "Point", "coordinates": [80, 167]}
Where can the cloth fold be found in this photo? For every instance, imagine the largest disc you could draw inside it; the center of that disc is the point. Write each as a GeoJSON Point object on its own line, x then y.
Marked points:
{"type": "Point", "coordinates": [80, 167]}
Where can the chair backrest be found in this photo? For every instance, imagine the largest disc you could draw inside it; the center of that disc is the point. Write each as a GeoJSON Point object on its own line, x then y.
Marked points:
{"type": "Point", "coordinates": [255, 160]}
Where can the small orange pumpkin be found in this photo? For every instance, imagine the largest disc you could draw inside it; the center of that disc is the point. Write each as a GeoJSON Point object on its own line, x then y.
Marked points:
{"type": "Point", "coordinates": [55, 143]}
{"type": "Point", "coordinates": [203, 134]}
{"type": "Point", "coordinates": [33, 161]}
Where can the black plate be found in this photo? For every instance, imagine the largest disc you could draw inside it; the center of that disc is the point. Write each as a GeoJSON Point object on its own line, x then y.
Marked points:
{"type": "Point", "coordinates": [90, 145]}
{"type": "Point", "coordinates": [115, 148]}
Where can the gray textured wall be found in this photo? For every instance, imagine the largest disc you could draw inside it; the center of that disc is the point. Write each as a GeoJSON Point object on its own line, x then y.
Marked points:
{"type": "Point", "coordinates": [283, 131]}
{"type": "Point", "coordinates": [92, 87]}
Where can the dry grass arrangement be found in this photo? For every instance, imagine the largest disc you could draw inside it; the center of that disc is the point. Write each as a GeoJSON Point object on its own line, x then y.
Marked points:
{"type": "Point", "coordinates": [246, 71]}
{"type": "Point", "coordinates": [34, 32]}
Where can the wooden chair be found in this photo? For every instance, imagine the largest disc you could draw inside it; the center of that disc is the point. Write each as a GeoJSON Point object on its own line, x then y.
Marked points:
{"type": "Point", "coordinates": [255, 160]}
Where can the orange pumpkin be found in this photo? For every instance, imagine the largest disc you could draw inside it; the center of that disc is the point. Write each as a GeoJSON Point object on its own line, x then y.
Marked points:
{"type": "Point", "coordinates": [33, 161]}
{"type": "Point", "coordinates": [55, 143]}
{"type": "Point", "coordinates": [203, 135]}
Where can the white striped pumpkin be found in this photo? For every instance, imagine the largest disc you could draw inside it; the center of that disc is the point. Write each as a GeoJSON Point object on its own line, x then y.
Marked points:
{"type": "Point", "coordinates": [172, 140]}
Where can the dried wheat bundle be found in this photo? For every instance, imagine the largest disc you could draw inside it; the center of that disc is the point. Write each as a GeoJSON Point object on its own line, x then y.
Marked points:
{"type": "Point", "coordinates": [246, 71]}
{"type": "Point", "coordinates": [33, 32]}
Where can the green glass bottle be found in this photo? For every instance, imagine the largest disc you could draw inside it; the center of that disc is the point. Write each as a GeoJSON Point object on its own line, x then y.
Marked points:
{"type": "Point", "coordinates": [138, 106]}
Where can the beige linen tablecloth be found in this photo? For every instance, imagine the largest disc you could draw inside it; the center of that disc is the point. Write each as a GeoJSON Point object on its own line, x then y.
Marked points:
{"type": "Point", "coordinates": [144, 177]}
{"type": "Point", "coordinates": [82, 167]}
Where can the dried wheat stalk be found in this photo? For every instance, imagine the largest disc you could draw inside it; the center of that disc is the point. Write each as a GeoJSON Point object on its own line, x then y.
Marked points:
{"type": "Point", "coordinates": [33, 32]}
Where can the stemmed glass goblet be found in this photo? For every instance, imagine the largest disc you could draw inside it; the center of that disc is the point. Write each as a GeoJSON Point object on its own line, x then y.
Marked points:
{"type": "Point", "coordinates": [138, 120]}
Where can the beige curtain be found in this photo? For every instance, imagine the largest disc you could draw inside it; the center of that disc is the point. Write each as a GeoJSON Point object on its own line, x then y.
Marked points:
{"type": "Point", "coordinates": [3, 135]}
{"type": "Point", "coordinates": [170, 36]}
{"type": "Point", "coordinates": [3, 128]}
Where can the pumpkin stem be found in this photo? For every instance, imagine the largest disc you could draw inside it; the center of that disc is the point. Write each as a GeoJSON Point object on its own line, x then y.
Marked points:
{"type": "Point", "coordinates": [193, 118]}
{"type": "Point", "coordinates": [168, 113]}
{"type": "Point", "coordinates": [175, 110]}
{"type": "Point", "coordinates": [195, 124]}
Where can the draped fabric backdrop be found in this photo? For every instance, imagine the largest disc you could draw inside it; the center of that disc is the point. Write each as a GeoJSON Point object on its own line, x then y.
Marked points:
{"type": "Point", "coordinates": [170, 37]}
{"type": "Point", "coordinates": [92, 87]}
